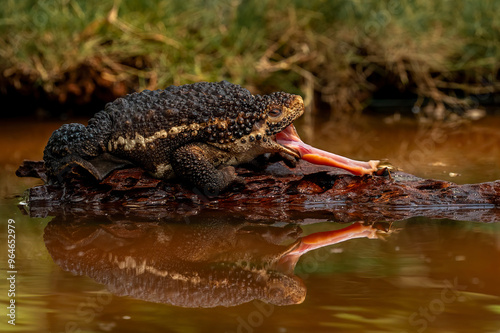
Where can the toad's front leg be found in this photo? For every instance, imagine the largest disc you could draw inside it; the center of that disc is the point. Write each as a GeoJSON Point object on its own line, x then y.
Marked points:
{"type": "Point", "coordinates": [196, 163]}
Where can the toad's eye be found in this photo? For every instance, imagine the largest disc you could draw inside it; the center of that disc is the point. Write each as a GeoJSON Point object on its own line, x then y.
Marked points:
{"type": "Point", "coordinates": [274, 112]}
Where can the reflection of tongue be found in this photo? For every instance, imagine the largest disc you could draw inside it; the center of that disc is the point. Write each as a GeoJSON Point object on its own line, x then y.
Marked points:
{"type": "Point", "coordinates": [290, 139]}
{"type": "Point", "coordinates": [325, 238]}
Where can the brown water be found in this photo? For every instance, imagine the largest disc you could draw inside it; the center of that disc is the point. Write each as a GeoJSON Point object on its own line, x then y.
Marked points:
{"type": "Point", "coordinates": [416, 275]}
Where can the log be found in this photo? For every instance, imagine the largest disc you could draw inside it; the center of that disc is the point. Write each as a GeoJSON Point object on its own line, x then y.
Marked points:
{"type": "Point", "coordinates": [272, 192]}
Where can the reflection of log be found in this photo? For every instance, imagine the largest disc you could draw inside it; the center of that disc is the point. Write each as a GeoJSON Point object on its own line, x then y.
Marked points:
{"type": "Point", "coordinates": [206, 263]}
{"type": "Point", "coordinates": [274, 192]}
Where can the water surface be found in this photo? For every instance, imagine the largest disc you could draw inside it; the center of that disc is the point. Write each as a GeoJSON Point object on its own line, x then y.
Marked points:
{"type": "Point", "coordinates": [417, 275]}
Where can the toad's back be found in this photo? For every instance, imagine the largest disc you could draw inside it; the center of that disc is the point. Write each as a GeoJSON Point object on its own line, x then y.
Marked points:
{"type": "Point", "coordinates": [149, 126]}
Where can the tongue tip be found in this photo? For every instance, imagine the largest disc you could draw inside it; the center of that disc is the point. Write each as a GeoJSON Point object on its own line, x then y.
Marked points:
{"type": "Point", "coordinates": [374, 164]}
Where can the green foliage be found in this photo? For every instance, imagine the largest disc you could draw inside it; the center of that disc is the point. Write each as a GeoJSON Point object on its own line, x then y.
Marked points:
{"type": "Point", "coordinates": [342, 50]}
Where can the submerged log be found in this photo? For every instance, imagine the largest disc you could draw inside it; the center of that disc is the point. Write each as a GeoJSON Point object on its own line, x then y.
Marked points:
{"type": "Point", "coordinates": [273, 192]}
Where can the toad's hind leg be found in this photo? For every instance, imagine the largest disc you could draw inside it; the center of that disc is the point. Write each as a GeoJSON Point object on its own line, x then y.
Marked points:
{"type": "Point", "coordinates": [196, 163]}
{"type": "Point", "coordinates": [75, 144]}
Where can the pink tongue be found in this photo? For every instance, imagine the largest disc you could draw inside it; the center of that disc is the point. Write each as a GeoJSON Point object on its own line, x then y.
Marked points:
{"type": "Point", "coordinates": [290, 139]}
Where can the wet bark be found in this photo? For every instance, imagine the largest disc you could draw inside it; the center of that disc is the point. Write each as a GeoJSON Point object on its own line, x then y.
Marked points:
{"type": "Point", "coordinates": [274, 191]}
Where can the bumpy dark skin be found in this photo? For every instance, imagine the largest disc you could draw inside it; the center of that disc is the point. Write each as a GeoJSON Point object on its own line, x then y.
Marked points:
{"type": "Point", "coordinates": [196, 132]}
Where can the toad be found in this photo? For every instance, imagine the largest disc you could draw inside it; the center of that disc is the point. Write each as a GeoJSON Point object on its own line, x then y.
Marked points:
{"type": "Point", "coordinates": [196, 132]}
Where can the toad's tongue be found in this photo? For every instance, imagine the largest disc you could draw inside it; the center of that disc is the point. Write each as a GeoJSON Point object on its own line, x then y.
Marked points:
{"type": "Point", "coordinates": [290, 139]}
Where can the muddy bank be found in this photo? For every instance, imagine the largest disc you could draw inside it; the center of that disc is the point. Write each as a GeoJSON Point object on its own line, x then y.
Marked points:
{"type": "Point", "coordinates": [275, 192]}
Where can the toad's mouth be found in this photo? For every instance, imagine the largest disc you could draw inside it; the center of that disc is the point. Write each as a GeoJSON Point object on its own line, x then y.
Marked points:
{"type": "Point", "coordinates": [289, 139]}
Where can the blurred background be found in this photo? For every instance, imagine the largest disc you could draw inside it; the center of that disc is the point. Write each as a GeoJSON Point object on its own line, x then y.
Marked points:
{"type": "Point", "coordinates": [431, 58]}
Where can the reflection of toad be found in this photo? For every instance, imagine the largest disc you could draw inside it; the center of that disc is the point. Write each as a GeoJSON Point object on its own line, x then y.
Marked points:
{"type": "Point", "coordinates": [207, 264]}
